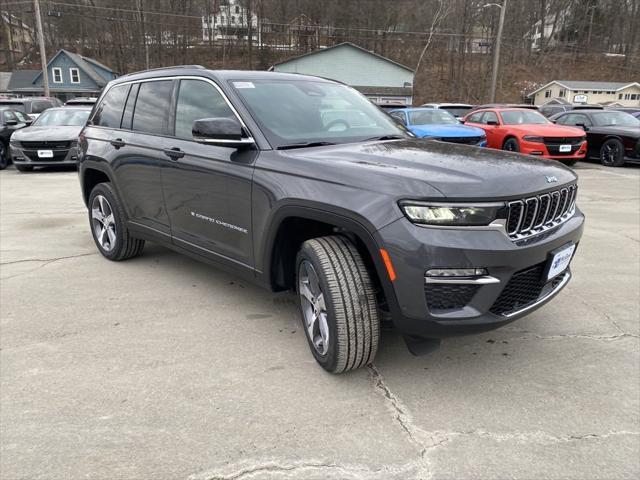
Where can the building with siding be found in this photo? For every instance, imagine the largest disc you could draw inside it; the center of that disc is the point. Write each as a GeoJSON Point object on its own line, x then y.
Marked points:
{"type": "Point", "coordinates": [70, 75]}
{"type": "Point", "coordinates": [384, 81]}
{"type": "Point", "coordinates": [626, 94]}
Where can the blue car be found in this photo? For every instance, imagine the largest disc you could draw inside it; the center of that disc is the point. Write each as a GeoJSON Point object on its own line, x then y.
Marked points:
{"type": "Point", "coordinates": [439, 125]}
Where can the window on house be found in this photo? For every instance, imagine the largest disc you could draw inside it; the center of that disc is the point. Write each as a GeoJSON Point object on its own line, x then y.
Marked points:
{"type": "Point", "coordinates": [626, 96]}
{"type": "Point", "coordinates": [561, 94]}
{"type": "Point", "coordinates": [634, 96]}
{"type": "Point", "coordinates": [237, 9]}
{"type": "Point", "coordinates": [57, 75]}
{"type": "Point", "coordinates": [547, 94]}
{"type": "Point", "coordinates": [75, 75]}
{"type": "Point", "coordinates": [233, 19]}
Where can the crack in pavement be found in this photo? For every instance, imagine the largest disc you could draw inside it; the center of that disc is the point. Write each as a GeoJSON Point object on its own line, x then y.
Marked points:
{"type": "Point", "coordinates": [45, 262]}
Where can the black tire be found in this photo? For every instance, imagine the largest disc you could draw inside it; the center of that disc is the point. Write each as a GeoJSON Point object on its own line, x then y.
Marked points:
{"type": "Point", "coordinates": [124, 246]}
{"type": "Point", "coordinates": [350, 301]}
{"type": "Point", "coordinates": [23, 168]}
{"type": "Point", "coordinates": [612, 153]}
{"type": "Point", "coordinates": [569, 163]}
{"type": "Point", "coordinates": [511, 145]}
{"type": "Point", "coordinates": [4, 157]}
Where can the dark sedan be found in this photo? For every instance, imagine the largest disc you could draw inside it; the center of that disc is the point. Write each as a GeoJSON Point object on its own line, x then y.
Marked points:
{"type": "Point", "coordinates": [51, 140]}
{"type": "Point", "coordinates": [612, 137]}
{"type": "Point", "coordinates": [10, 121]}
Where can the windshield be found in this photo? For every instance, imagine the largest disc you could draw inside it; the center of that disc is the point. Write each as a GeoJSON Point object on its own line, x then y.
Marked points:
{"type": "Point", "coordinates": [611, 119]}
{"type": "Point", "coordinates": [431, 117]}
{"type": "Point", "coordinates": [14, 105]}
{"type": "Point", "coordinates": [522, 117]}
{"type": "Point", "coordinates": [303, 111]}
{"type": "Point", "coordinates": [457, 111]}
{"type": "Point", "coordinates": [65, 117]}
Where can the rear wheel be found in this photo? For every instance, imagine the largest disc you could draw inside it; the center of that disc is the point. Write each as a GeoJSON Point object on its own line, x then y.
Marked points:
{"type": "Point", "coordinates": [4, 157]}
{"type": "Point", "coordinates": [108, 227]}
{"type": "Point", "coordinates": [338, 304]}
{"type": "Point", "coordinates": [612, 153]}
{"type": "Point", "coordinates": [511, 145]}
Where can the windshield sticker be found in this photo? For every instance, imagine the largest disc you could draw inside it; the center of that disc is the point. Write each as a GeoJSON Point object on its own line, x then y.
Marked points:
{"type": "Point", "coordinates": [243, 85]}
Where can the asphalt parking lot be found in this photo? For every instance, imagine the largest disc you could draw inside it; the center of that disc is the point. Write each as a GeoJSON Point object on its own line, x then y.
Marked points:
{"type": "Point", "coordinates": [161, 367]}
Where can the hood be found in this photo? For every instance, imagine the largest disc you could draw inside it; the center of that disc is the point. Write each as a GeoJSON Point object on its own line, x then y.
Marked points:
{"type": "Point", "coordinates": [633, 132]}
{"type": "Point", "coordinates": [446, 131]}
{"type": "Point", "coordinates": [418, 168]}
{"type": "Point", "coordinates": [547, 130]}
{"type": "Point", "coordinates": [47, 133]}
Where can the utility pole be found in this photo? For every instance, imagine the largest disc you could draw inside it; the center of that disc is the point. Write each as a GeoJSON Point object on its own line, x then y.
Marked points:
{"type": "Point", "coordinates": [496, 53]}
{"type": "Point", "coordinates": [43, 53]}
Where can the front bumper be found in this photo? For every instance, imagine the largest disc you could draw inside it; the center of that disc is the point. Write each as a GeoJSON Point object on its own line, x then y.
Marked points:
{"type": "Point", "coordinates": [461, 310]}
{"type": "Point", "coordinates": [61, 156]}
{"type": "Point", "coordinates": [578, 152]}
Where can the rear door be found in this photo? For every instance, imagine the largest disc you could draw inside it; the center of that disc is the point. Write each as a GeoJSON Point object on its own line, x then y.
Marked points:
{"type": "Point", "coordinates": [495, 133]}
{"type": "Point", "coordinates": [207, 188]}
{"type": "Point", "coordinates": [138, 154]}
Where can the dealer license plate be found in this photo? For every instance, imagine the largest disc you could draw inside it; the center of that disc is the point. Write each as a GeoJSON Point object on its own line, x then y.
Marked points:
{"type": "Point", "coordinates": [560, 261]}
{"type": "Point", "coordinates": [45, 153]}
{"type": "Point", "coordinates": [565, 148]}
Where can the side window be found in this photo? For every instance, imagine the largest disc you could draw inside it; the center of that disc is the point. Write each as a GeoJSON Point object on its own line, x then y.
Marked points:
{"type": "Point", "coordinates": [21, 116]}
{"type": "Point", "coordinates": [565, 119]}
{"type": "Point", "coordinates": [583, 119]}
{"type": "Point", "coordinates": [109, 112]}
{"type": "Point", "coordinates": [400, 117]}
{"type": "Point", "coordinates": [152, 107]}
{"type": "Point", "coordinates": [198, 99]}
{"type": "Point", "coordinates": [40, 106]}
{"type": "Point", "coordinates": [127, 118]}
{"type": "Point", "coordinates": [490, 117]}
{"type": "Point", "coordinates": [475, 117]}
{"type": "Point", "coordinates": [8, 115]}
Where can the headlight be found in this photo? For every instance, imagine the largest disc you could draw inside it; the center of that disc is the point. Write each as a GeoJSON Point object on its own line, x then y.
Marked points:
{"type": "Point", "coordinates": [74, 143]}
{"type": "Point", "coordinates": [532, 138]}
{"type": "Point", "coordinates": [454, 215]}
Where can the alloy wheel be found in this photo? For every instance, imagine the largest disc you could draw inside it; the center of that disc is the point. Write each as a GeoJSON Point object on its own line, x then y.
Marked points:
{"type": "Point", "coordinates": [104, 226]}
{"type": "Point", "coordinates": [314, 310]}
{"type": "Point", "coordinates": [610, 153]}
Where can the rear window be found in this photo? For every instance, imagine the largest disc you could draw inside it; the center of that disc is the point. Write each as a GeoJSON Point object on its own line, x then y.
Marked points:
{"type": "Point", "coordinates": [15, 105]}
{"type": "Point", "coordinates": [109, 112]}
{"type": "Point", "coordinates": [39, 106]}
{"type": "Point", "coordinates": [152, 107]}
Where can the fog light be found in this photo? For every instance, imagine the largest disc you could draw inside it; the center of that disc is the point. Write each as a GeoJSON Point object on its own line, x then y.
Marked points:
{"type": "Point", "coordinates": [457, 272]}
{"type": "Point", "coordinates": [536, 152]}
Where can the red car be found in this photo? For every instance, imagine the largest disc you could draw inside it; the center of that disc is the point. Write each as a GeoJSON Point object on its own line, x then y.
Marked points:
{"type": "Point", "coordinates": [527, 131]}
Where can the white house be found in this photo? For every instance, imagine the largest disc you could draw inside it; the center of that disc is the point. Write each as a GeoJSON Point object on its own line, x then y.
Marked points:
{"type": "Point", "coordinates": [231, 22]}
{"type": "Point", "coordinates": [626, 94]}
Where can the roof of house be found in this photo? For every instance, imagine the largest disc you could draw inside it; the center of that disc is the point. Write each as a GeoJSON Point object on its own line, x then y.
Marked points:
{"type": "Point", "coordinates": [402, 91]}
{"type": "Point", "coordinates": [23, 80]}
{"type": "Point", "coordinates": [588, 85]}
{"type": "Point", "coordinates": [343, 44]}
{"type": "Point", "coordinates": [84, 63]}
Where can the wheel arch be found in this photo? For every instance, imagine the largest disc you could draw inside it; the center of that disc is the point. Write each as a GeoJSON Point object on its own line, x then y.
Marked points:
{"type": "Point", "coordinates": [90, 176]}
{"type": "Point", "coordinates": [292, 225]}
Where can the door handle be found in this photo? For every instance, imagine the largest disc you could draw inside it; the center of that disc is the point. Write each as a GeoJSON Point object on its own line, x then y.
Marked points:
{"type": "Point", "coordinates": [174, 153]}
{"type": "Point", "coordinates": [118, 143]}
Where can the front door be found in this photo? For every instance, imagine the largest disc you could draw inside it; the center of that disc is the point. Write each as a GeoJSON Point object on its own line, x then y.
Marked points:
{"type": "Point", "coordinates": [207, 188]}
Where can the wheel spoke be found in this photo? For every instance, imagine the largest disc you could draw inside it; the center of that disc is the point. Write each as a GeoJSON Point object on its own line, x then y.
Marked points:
{"type": "Point", "coordinates": [112, 236]}
{"type": "Point", "coordinates": [314, 284]}
{"type": "Point", "coordinates": [103, 205]}
{"type": "Point", "coordinates": [320, 302]}
{"type": "Point", "coordinates": [109, 219]}
{"type": "Point", "coordinates": [306, 292]}
{"type": "Point", "coordinates": [311, 321]}
{"type": "Point", "coordinates": [323, 327]}
{"type": "Point", "coordinates": [97, 214]}
{"type": "Point", "coordinates": [102, 237]}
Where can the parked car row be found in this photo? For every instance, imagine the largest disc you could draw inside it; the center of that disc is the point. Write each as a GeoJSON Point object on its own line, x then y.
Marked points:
{"type": "Point", "coordinates": [40, 131]}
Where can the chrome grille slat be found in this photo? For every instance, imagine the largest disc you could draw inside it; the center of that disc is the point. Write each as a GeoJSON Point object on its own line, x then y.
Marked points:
{"type": "Point", "coordinates": [540, 213]}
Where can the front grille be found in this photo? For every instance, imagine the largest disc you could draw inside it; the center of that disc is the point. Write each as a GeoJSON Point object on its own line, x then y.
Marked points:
{"type": "Point", "coordinates": [553, 144]}
{"type": "Point", "coordinates": [58, 156]}
{"type": "Point", "coordinates": [539, 213]}
{"type": "Point", "coordinates": [463, 140]}
{"type": "Point", "coordinates": [449, 296]}
{"type": "Point", "coordinates": [46, 145]}
{"type": "Point", "coordinates": [523, 289]}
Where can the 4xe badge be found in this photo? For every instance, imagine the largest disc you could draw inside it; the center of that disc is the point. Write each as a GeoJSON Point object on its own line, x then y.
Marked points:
{"type": "Point", "coordinates": [551, 179]}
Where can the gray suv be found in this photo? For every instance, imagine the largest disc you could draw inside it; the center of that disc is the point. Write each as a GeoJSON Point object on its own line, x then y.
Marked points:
{"type": "Point", "coordinates": [260, 174]}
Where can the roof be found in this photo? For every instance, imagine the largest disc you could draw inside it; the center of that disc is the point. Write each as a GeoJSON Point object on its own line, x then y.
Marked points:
{"type": "Point", "coordinates": [83, 63]}
{"type": "Point", "coordinates": [588, 85]}
{"type": "Point", "coordinates": [23, 80]}
{"type": "Point", "coordinates": [401, 91]}
{"type": "Point", "coordinates": [322, 50]}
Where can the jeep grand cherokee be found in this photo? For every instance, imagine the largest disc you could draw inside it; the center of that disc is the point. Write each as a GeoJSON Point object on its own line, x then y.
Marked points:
{"type": "Point", "coordinates": [259, 173]}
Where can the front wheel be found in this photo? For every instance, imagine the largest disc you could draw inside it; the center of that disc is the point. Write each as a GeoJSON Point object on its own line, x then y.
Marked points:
{"type": "Point", "coordinates": [108, 227]}
{"type": "Point", "coordinates": [4, 157]}
{"type": "Point", "coordinates": [511, 145]}
{"type": "Point", "coordinates": [612, 153]}
{"type": "Point", "coordinates": [338, 304]}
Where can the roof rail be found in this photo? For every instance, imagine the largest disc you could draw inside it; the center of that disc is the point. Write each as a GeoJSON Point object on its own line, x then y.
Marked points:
{"type": "Point", "coordinates": [164, 68]}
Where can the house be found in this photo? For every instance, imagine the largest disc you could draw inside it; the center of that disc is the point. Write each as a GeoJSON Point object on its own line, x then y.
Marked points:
{"type": "Point", "coordinates": [231, 22]}
{"type": "Point", "coordinates": [580, 92]}
{"type": "Point", "coordinates": [384, 81]}
{"type": "Point", "coordinates": [17, 36]}
{"type": "Point", "coordinates": [70, 75]}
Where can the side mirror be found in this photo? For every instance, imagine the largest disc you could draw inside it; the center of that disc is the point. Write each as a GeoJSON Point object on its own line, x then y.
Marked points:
{"type": "Point", "coordinates": [28, 122]}
{"type": "Point", "coordinates": [10, 123]}
{"type": "Point", "coordinates": [492, 122]}
{"type": "Point", "coordinates": [225, 132]}
{"type": "Point", "coordinates": [461, 120]}
{"type": "Point", "coordinates": [583, 126]}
